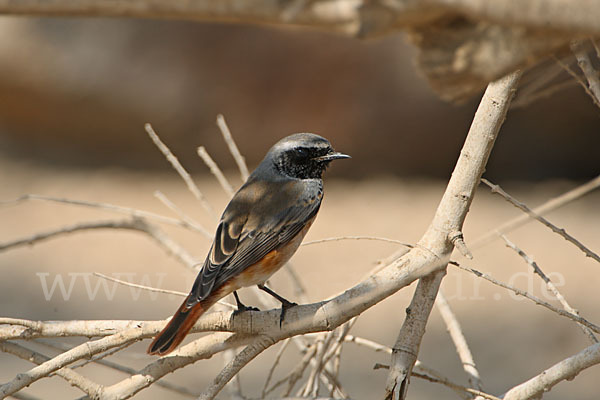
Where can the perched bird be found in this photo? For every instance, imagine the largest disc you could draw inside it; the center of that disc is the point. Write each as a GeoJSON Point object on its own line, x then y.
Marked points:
{"type": "Point", "coordinates": [261, 228]}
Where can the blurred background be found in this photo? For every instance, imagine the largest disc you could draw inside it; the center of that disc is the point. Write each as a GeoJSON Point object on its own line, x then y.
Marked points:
{"type": "Point", "coordinates": [74, 97]}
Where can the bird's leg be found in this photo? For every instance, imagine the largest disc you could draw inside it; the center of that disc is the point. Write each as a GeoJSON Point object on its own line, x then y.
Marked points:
{"type": "Point", "coordinates": [240, 306]}
{"type": "Point", "coordinates": [285, 304]}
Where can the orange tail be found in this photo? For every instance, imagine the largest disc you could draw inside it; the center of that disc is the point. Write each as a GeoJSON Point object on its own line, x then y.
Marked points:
{"type": "Point", "coordinates": [177, 329]}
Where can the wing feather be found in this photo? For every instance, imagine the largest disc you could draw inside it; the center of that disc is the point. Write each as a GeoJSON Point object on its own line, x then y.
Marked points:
{"type": "Point", "coordinates": [237, 245]}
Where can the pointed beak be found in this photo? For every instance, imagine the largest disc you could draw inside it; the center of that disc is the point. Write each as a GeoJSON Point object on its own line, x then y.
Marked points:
{"type": "Point", "coordinates": [332, 156]}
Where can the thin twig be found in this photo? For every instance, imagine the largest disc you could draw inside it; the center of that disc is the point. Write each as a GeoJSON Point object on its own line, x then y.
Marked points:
{"type": "Point", "coordinates": [216, 171]}
{"type": "Point", "coordinates": [554, 228]}
{"type": "Point", "coordinates": [135, 285]}
{"type": "Point", "coordinates": [459, 340]}
{"type": "Point", "coordinates": [235, 152]}
{"type": "Point", "coordinates": [182, 215]}
{"type": "Point", "coordinates": [529, 296]}
{"type": "Point", "coordinates": [545, 208]}
{"type": "Point", "coordinates": [284, 346]}
{"type": "Point", "coordinates": [445, 382]}
{"type": "Point", "coordinates": [340, 238]}
{"type": "Point", "coordinates": [133, 212]}
{"type": "Point", "coordinates": [551, 287]}
{"type": "Point", "coordinates": [472, 391]}
{"type": "Point", "coordinates": [192, 187]}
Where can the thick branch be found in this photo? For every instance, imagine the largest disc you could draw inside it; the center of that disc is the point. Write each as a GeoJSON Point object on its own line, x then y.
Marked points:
{"type": "Point", "coordinates": [449, 219]}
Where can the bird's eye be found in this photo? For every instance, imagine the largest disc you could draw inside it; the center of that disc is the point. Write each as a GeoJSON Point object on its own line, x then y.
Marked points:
{"type": "Point", "coordinates": [301, 151]}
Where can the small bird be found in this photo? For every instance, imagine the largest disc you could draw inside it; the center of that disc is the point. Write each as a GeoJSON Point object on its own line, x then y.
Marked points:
{"type": "Point", "coordinates": [260, 229]}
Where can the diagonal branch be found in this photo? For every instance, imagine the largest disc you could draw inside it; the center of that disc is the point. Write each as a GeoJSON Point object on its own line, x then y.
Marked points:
{"type": "Point", "coordinates": [551, 287]}
{"type": "Point", "coordinates": [532, 214]}
{"type": "Point", "coordinates": [458, 338]}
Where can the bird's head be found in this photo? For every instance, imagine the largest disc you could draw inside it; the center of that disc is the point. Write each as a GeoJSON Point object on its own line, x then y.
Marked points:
{"type": "Point", "coordinates": [303, 155]}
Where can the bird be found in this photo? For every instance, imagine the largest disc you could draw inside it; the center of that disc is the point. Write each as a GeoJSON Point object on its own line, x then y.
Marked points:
{"type": "Point", "coordinates": [259, 231]}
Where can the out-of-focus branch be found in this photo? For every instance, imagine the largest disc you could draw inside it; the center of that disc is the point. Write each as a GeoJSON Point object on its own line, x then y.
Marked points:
{"type": "Point", "coordinates": [591, 74]}
{"type": "Point", "coordinates": [448, 220]}
{"type": "Point", "coordinates": [464, 44]}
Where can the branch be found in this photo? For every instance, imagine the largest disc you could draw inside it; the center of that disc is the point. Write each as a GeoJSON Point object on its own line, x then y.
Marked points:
{"type": "Point", "coordinates": [73, 378]}
{"type": "Point", "coordinates": [110, 207]}
{"type": "Point", "coordinates": [449, 219]}
{"type": "Point", "coordinates": [216, 171]}
{"type": "Point", "coordinates": [406, 348]}
{"type": "Point", "coordinates": [464, 44]}
{"type": "Point", "coordinates": [529, 296]}
{"type": "Point", "coordinates": [192, 187]}
{"type": "Point", "coordinates": [532, 214]}
{"type": "Point", "coordinates": [551, 287]}
{"type": "Point", "coordinates": [545, 208]}
{"type": "Point", "coordinates": [233, 149]}
{"type": "Point", "coordinates": [564, 370]}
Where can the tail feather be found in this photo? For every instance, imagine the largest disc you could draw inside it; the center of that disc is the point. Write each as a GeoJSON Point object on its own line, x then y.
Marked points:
{"type": "Point", "coordinates": [177, 329]}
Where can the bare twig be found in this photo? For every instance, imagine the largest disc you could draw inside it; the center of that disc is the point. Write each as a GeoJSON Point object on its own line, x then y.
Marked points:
{"type": "Point", "coordinates": [216, 171]}
{"type": "Point", "coordinates": [135, 285]}
{"type": "Point", "coordinates": [135, 224]}
{"type": "Point", "coordinates": [553, 289]}
{"type": "Point", "coordinates": [567, 369]}
{"type": "Point", "coordinates": [105, 206]}
{"type": "Point", "coordinates": [458, 338]}
{"type": "Point", "coordinates": [180, 170]}
{"type": "Point", "coordinates": [454, 386]}
{"type": "Point", "coordinates": [529, 296]}
{"type": "Point", "coordinates": [284, 346]}
{"type": "Point", "coordinates": [531, 213]}
{"type": "Point", "coordinates": [182, 215]}
{"type": "Point", "coordinates": [545, 208]}
{"type": "Point", "coordinates": [235, 152]}
{"type": "Point", "coordinates": [340, 238]}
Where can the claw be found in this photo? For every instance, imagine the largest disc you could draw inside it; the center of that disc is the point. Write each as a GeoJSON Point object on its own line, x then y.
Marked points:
{"type": "Point", "coordinates": [241, 307]}
{"type": "Point", "coordinates": [284, 308]}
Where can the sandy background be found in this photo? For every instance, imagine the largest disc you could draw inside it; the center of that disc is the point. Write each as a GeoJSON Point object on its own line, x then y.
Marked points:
{"type": "Point", "coordinates": [511, 339]}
